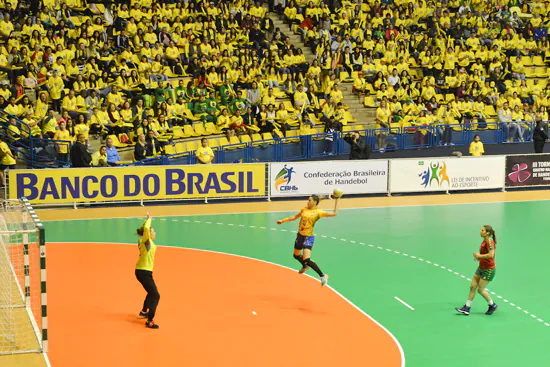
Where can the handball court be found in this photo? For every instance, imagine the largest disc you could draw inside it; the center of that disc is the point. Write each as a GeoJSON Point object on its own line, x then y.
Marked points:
{"type": "Point", "coordinates": [231, 294]}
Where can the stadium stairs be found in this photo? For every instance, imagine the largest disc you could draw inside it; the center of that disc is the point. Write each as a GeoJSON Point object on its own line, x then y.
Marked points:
{"type": "Point", "coordinates": [364, 116]}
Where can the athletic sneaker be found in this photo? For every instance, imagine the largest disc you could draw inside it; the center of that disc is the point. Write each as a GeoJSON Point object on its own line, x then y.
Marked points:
{"type": "Point", "coordinates": [143, 314]}
{"type": "Point", "coordinates": [464, 310]}
{"type": "Point", "coordinates": [304, 269]}
{"type": "Point", "coordinates": [324, 280]}
{"type": "Point", "coordinates": [151, 325]}
{"type": "Point", "coordinates": [492, 308]}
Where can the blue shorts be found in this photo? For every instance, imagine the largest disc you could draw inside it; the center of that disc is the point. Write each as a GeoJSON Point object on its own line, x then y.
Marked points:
{"type": "Point", "coordinates": [303, 242]}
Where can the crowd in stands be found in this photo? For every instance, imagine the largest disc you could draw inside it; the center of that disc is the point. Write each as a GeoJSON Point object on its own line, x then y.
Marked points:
{"type": "Point", "coordinates": [143, 73]}
{"type": "Point", "coordinates": [436, 62]}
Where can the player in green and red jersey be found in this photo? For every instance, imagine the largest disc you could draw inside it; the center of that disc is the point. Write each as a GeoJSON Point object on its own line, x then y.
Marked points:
{"type": "Point", "coordinates": [485, 272]}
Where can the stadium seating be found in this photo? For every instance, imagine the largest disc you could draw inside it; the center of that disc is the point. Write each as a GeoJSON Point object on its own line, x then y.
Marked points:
{"type": "Point", "coordinates": [392, 67]}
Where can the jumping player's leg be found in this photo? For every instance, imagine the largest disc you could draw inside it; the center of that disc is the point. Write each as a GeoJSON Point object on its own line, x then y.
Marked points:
{"type": "Point", "coordinates": [298, 246]}
{"type": "Point", "coordinates": [312, 264]}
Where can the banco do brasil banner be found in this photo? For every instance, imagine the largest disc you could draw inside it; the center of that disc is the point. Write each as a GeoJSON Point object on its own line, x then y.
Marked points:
{"type": "Point", "coordinates": [306, 178]}
{"type": "Point", "coordinates": [51, 186]}
{"type": "Point", "coordinates": [446, 174]}
{"type": "Point", "coordinates": [528, 170]}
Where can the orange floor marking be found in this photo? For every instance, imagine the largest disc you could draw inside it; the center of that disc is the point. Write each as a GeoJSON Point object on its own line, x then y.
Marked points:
{"type": "Point", "coordinates": [205, 313]}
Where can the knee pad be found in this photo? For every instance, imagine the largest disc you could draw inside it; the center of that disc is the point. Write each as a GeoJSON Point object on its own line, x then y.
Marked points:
{"type": "Point", "coordinates": [307, 262]}
{"type": "Point", "coordinates": [297, 257]}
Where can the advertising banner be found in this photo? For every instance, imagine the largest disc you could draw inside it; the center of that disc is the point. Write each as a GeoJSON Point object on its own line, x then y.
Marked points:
{"type": "Point", "coordinates": [446, 174]}
{"type": "Point", "coordinates": [52, 186]}
{"type": "Point", "coordinates": [528, 170]}
{"type": "Point", "coordinates": [306, 178]}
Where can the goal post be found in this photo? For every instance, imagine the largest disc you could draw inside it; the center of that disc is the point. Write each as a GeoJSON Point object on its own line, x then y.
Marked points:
{"type": "Point", "coordinates": [23, 296]}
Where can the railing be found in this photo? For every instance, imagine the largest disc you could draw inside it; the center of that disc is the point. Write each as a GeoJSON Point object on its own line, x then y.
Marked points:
{"type": "Point", "coordinates": [320, 145]}
{"type": "Point", "coordinates": [35, 152]}
{"type": "Point", "coordinates": [41, 153]}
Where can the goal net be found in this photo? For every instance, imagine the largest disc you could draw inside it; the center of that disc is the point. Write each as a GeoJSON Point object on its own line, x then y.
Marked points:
{"type": "Point", "coordinates": [23, 316]}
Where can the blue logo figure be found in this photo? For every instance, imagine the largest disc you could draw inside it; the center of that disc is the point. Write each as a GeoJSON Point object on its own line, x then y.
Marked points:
{"type": "Point", "coordinates": [425, 176]}
{"type": "Point", "coordinates": [284, 176]}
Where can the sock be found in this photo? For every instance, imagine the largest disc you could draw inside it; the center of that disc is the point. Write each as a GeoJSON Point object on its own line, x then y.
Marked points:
{"type": "Point", "coordinates": [300, 259]}
{"type": "Point", "coordinates": [314, 266]}
{"type": "Point", "coordinates": [491, 302]}
{"type": "Point", "coordinates": [468, 303]}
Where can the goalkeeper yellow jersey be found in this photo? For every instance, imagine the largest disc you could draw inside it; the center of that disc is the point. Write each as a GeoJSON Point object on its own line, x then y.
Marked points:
{"type": "Point", "coordinates": [146, 259]}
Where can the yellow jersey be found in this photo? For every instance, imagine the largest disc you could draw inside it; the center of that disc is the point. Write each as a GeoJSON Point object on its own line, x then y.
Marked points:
{"type": "Point", "coordinates": [62, 147]}
{"type": "Point", "coordinates": [146, 259]}
{"type": "Point", "coordinates": [476, 149]}
{"type": "Point", "coordinates": [309, 218]}
{"type": "Point", "coordinates": [6, 158]}
{"type": "Point", "coordinates": [206, 153]}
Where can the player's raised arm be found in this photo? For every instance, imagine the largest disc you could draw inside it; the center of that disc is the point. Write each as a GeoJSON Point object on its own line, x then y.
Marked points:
{"type": "Point", "coordinates": [144, 271]}
{"type": "Point", "coordinates": [335, 211]}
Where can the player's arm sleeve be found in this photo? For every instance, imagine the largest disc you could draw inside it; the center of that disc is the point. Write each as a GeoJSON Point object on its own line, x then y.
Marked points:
{"type": "Point", "coordinates": [322, 214]}
{"type": "Point", "coordinates": [147, 233]}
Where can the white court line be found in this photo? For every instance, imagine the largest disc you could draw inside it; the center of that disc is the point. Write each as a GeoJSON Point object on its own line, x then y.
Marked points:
{"type": "Point", "coordinates": [379, 247]}
{"type": "Point", "coordinates": [292, 211]}
{"type": "Point", "coordinates": [401, 352]}
{"type": "Point", "coordinates": [403, 302]}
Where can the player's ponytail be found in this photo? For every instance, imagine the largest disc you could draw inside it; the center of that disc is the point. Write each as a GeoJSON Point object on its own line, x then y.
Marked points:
{"type": "Point", "coordinates": [317, 198]}
{"type": "Point", "coordinates": [140, 231]}
{"type": "Point", "coordinates": [491, 232]}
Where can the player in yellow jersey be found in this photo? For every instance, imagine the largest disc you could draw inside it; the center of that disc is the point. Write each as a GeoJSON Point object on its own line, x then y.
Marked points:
{"type": "Point", "coordinates": [144, 271]}
{"type": "Point", "coordinates": [305, 237]}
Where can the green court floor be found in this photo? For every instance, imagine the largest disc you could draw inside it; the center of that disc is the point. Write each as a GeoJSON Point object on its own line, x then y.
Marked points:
{"type": "Point", "coordinates": [422, 255]}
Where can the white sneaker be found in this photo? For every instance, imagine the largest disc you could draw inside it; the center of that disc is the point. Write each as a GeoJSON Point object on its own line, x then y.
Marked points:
{"type": "Point", "coordinates": [324, 280]}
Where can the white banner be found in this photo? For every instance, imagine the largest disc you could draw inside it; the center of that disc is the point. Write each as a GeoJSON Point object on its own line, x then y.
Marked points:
{"type": "Point", "coordinates": [447, 174]}
{"type": "Point", "coordinates": [306, 178]}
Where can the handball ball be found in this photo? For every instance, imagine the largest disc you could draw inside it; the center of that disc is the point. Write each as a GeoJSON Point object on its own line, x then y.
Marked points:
{"type": "Point", "coordinates": [337, 193]}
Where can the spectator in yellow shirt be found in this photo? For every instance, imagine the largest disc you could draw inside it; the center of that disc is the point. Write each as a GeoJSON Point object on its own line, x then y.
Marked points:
{"type": "Point", "coordinates": [63, 138]}
{"type": "Point", "coordinates": [55, 86]}
{"type": "Point", "coordinates": [204, 154]}
{"type": "Point", "coordinates": [476, 147]}
{"type": "Point", "coordinates": [7, 160]}
{"type": "Point", "coordinates": [99, 158]}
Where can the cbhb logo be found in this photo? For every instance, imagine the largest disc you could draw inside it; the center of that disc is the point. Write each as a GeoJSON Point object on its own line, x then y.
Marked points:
{"type": "Point", "coordinates": [436, 171]}
{"type": "Point", "coordinates": [282, 181]}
